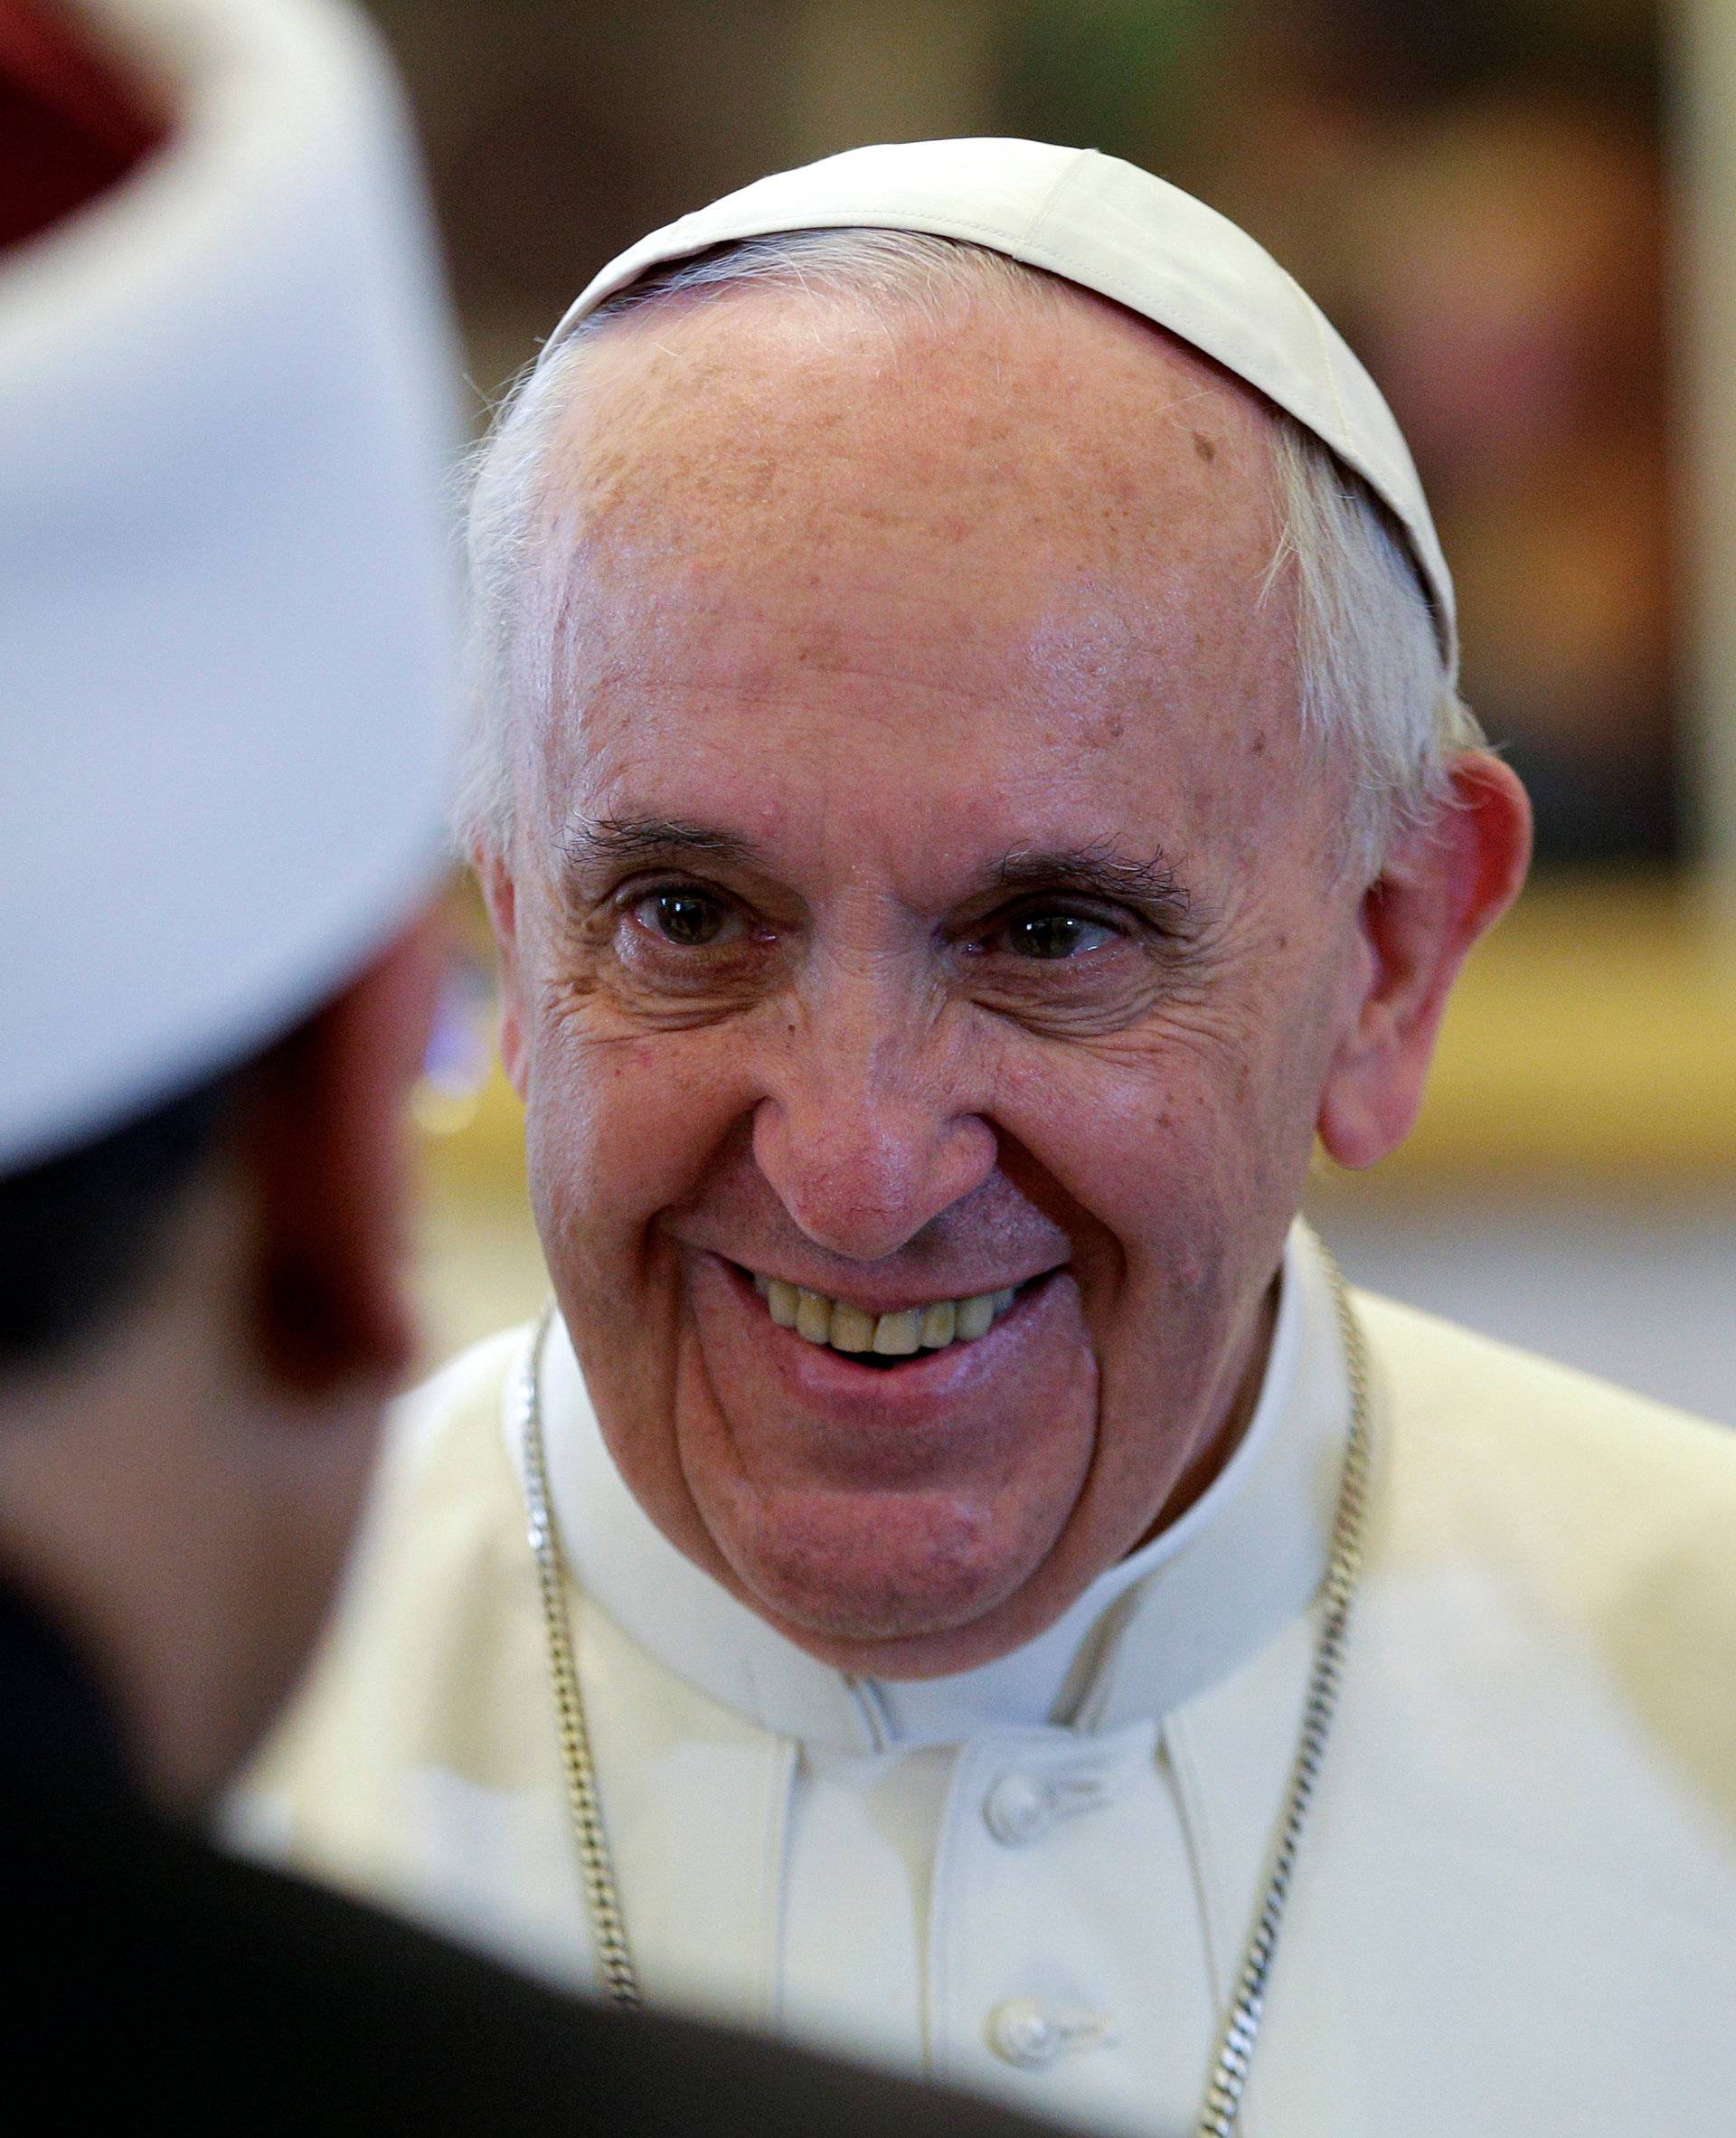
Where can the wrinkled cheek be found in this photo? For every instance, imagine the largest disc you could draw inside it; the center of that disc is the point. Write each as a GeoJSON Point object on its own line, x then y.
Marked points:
{"type": "Point", "coordinates": [611, 1139]}
{"type": "Point", "coordinates": [604, 1154]}
{"type": "Point", "coordinates": [572, 1159]}
{"type": "Point", "coordinates": [1184, 1186]}
{"type": "Point", "coordinates": [1203, 1226]}
{"type": "Point", "coordinates": [1159, 1164]}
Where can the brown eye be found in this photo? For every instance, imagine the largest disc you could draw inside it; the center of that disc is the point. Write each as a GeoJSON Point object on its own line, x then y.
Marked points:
{"type": "Point", "coordinates": [1054, 935]}
{"type": "Point", "coordinates": [687, 918]}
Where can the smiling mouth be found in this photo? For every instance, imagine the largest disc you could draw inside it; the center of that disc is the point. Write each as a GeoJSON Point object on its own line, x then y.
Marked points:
{"type": "Point", "coordinates": [880, 1339]}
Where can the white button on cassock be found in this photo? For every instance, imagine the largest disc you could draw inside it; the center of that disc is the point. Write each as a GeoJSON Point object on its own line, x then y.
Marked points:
{"type": "Point", "coordinates": [1022, 2033]}
{"type": "Point", "coordinates": [1022, 1807]}
{"type": "Point", "coordinates": [1018, 1809]}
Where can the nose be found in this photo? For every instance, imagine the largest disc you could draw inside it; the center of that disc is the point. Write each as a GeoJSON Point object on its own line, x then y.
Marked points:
{"type": "Point", "coordinates": [868, 1130]}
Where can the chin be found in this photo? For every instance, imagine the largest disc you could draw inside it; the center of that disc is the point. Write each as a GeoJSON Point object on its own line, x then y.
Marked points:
{"type": "Point", "coordinates": [915, 1576]}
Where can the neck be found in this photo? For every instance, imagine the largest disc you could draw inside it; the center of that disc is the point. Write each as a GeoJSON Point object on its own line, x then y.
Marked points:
{"type": "Point", "coordinates": [107, 1522]}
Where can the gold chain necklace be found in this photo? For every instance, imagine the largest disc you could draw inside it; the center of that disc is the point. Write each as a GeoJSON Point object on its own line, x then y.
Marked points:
{"type": "Point", "coordinates": [1242, 2023]}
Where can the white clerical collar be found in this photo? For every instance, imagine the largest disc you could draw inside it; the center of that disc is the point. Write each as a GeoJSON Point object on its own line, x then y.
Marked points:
{"type": "Point", "coordinates": [1172, 1618]}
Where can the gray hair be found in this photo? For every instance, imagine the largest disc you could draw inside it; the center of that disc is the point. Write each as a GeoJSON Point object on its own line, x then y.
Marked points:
{"type": "Point", "coordinates": [1373, 679]}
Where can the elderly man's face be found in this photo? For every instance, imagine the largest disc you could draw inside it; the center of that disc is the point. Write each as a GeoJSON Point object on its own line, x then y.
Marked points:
{"type": "Point", "coordinates": [922, 894]}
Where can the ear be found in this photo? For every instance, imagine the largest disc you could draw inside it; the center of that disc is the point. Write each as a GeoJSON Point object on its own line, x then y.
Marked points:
{"type": "Point", "coordinates": [1442, 885]}
{"type": "Point", "coordinates": [325, 1145]}
{"type": "Point", "coordinates": [500, 895]}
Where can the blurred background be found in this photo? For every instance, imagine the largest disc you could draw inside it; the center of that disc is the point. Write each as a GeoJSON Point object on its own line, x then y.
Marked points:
{"type": "Point", "coordinates": [1521, 214]}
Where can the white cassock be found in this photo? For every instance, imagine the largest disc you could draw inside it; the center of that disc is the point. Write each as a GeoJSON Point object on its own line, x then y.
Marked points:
{"type": "Point", "coordinates": [1516, 1906]}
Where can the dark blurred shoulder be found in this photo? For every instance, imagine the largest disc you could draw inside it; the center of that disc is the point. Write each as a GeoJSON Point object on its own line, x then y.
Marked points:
{"type": "Point", "coordinates": [208, 1988]}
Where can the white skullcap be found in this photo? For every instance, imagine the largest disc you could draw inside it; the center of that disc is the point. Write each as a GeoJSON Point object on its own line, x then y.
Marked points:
{"type": "Point", "coordinates": [1109, 227]}
{"type": "Point", "coordinates": [226, 692]}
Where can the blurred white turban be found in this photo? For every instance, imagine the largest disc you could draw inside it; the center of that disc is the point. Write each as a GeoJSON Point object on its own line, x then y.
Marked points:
{"type": "Point", "coordinates": [226, 685]}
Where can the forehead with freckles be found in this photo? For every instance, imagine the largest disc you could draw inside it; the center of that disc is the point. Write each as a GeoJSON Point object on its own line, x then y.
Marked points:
{"type": "Point", "coordinates": [1050, 411]}
{"type": "Point", "coordinates": [1037, 533]}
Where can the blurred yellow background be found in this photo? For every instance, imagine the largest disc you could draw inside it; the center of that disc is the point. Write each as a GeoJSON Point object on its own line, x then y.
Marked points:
{"type": "Point", "coordinates": [1522, 212]}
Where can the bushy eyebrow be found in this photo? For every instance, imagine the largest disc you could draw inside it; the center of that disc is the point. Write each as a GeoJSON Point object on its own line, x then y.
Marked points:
{"type": "Point", "coordinates": [614, 842]}
{"type": "Point", "coordinates": [1151, 887]}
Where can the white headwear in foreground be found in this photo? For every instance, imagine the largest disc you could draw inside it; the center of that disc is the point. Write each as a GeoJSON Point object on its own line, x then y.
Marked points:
{"type": "Point", "coordinates": [1113, 229]}
{"type": "Point", "coordinates": [226, 411]}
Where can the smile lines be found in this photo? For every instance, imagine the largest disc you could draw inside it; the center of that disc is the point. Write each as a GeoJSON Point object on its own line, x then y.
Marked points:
{"type": "Point", "coordinates": [822, 1320]}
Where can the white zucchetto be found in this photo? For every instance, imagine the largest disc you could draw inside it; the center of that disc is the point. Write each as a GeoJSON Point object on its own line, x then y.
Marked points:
{"type": "Point", "coordinates": [227, 408]}
{"type": "Point", "coordinates": [1111, 228]}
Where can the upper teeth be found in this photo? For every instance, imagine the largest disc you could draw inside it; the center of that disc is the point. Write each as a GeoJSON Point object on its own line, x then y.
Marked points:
{"type": "Point", "coordinates": [835, 1321]}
